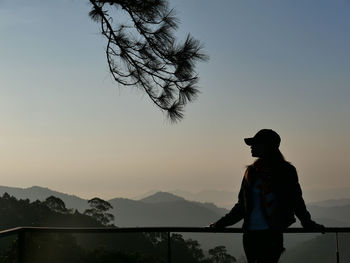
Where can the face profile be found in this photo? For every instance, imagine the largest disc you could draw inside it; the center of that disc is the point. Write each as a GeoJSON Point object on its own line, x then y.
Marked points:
{"type": "Point", "coordinates": [264, 143]}
{"type": "Point", "coordinates": [258, 150]}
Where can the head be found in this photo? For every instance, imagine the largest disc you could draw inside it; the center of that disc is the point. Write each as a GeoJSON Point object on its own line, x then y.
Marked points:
{"type": "Point", "coordinates": [265, 144]}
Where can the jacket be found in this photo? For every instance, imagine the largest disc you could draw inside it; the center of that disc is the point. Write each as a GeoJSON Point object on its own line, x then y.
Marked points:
{"type": "Point", "coordinates": [283, 183]}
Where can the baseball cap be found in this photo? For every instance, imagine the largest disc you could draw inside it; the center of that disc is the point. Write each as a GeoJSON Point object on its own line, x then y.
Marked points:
{"type": "Point", "coordinates": [265, 136]}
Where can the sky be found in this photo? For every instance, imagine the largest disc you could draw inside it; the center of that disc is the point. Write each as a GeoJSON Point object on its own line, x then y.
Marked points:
{"type": "Point", "coordinates": [66, 125]}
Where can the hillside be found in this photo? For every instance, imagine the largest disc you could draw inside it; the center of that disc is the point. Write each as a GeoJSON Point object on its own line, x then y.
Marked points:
{"type": "Point", "coordinates": [166, 209]}
{"type": "Point", "coordinates": [161, 197]}
{"type": "Point", "coordinates": [40, 193]}
{"type": "Point", "coordinates": [332, 202]}
{"type": "Point", "coordinates": [159, 209]}
{"type": "Point", "coordinates": [320, 249]}
{"type": "Point", "coordinates": [163, 209]}
{"type": "Point", "coordinates": [168, 213]}
{"type": "Point", "coordinates": [82, 248]}
{"type": "Point", "coordinates": [220, 198]}
{"type": "Point", "coordinates": [339, 215]}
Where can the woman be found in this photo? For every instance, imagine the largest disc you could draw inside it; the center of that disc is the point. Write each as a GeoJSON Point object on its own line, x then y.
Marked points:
{"type": "Point", "coordinates": [269, 197]}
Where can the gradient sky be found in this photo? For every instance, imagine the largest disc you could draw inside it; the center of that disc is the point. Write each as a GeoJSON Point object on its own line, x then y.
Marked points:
{"type": "Point", "coordinates": [274, 64]}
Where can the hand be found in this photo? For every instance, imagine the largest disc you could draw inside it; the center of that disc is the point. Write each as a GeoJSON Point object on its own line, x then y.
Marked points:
{"type": "Point", "coordinates": [320, 228]}
{"type": "Point", "coordinates": [315, 227]}
{"type": "Point", "coordinates": [212, 225]}
{"type": "Point", "coordinates": [216, 225]}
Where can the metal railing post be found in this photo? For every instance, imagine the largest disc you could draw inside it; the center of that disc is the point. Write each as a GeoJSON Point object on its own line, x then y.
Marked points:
{"type": "Point", "coordinates": [169, 248]}
{"type": "Point", "coordinates": [337, 247]}
{"type": "Point", "coordinates": [21, 246]}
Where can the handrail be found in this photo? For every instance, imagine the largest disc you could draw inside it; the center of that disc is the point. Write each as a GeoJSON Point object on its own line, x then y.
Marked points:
{"type": "Point", "coordinates": [16, 230]}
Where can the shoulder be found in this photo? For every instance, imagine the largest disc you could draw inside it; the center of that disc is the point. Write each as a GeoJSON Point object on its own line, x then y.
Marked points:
{"type": "Point", "coordinates": [289, 167]}
{"type": "Point", "coordinates": [249, 168]}
{"type": "Point", "coordinates": [248, 175]}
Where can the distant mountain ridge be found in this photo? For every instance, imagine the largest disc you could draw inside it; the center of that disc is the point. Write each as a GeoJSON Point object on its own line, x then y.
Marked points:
{"type": "Point", "coordinates": [226, 199]}
{"type": "Point", "coordinates": [168, 209]}
{"type": "Point", "coordinates": [41, 193]}
{"type": "Point", "coordinates": [332, 202]}
{"type": "Point", "coordinates": [220, 198]}
{"type": "Point", "coordinates": [164, 209]}
{"type": "Point", "coordinates": [161, 197]}
{"type": "Point", "coordinates": [159, 209]}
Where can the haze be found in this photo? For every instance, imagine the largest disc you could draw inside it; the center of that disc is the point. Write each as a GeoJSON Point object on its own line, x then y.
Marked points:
{"type": "Point", "coordinates": [273, 64]}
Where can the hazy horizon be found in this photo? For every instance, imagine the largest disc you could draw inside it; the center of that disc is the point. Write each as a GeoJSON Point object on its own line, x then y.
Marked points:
{"type": "Point", "coordinates": [221, 198]}
{"type": "Point", "coordinates": [67, 126]}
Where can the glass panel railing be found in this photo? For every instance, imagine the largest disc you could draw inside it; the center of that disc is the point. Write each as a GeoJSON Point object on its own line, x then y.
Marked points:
{"type": "Point", "coordinates": [8, 249]}
{"type": "Point", "coordinates": [96, 247]}
{"type": "Point", "coordinates": [309, 247]}
{"type": "Point", "coordinates": [344, 247]}
{"type": "Point", "coordinates": [161, 245]}
{"type": "Point", "coordinates": [227, 246]}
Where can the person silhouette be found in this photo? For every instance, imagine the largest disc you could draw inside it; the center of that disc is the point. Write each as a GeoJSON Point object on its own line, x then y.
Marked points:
{"type": "Point", "coordinates": [269, 199]}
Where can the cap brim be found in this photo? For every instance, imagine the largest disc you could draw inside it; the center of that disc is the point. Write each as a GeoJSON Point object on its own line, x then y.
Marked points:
{"type": "Point", "coordinates": [249, 141]}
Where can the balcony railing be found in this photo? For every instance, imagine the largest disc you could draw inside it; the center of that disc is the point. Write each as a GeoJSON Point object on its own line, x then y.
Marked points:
{"type": "Point", "coordinates": [22, 231]}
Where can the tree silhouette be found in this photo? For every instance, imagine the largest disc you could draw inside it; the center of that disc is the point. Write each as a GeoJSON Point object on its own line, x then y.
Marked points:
{"type": "Point", "coordinates": [219, 255]}
{"type": "Point", "coordinates": [56, 204]}
{"type": "Point", "coordinates": [99, 210]}
{"type": "Point", "coordinates": [143, 52]}
{"type": "Point", "coordinates": [195, 248]}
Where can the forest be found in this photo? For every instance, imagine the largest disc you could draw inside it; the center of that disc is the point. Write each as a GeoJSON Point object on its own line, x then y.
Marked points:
{"type": "Point", "coordinates": [119, 247]}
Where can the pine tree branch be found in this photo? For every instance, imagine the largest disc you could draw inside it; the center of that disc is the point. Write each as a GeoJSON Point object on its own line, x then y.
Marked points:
{"type": "Point", "coordinates": [152, 60]}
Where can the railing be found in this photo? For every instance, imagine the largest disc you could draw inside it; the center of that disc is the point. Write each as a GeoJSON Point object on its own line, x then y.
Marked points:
{"type": "Point", "coordinates": [22, 231]}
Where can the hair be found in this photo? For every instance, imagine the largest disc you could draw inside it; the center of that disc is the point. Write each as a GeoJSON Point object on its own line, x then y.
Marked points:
{"type": "Point", "coordinates": [275, 160]}
{"type": "Point", "coordinates": [276, 155]}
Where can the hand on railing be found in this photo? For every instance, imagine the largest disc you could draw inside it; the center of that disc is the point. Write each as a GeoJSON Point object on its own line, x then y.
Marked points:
{"type": "Point", "coordinates": [313, 226]}
{"type": "Point", "coordinates": [215, 225]}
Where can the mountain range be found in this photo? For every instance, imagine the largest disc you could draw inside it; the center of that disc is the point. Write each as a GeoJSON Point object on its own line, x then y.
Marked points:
{"type": "Point", "coordinates": [222, 198]}
{"type": "Point", "coordinates": [168, 209]}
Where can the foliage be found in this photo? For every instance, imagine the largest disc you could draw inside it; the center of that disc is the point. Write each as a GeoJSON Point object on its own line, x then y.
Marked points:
{"type": "Point", "coordinates": [188, 250]}
{"type": "Point", "coordinates": [56, 204]}
{"type": "Point", "coordinates": [44, 248]}
{"type": "Point", "coordinates": [143, 52]}
{"type": "Point", "coordinates": [103, 256]}
{"type": "Point", "coordinates": [219, 255]}
{"type": "Point", "coordinates": [15, 213]}
{"type": "Point", "coordinates": [99, 210]}
{"type": "Point", "coordinates": [79, 248]}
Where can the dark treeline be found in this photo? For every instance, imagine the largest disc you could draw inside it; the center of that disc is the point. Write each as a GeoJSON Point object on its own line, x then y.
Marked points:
{"type": "Point", "coordinates": [121, 247]}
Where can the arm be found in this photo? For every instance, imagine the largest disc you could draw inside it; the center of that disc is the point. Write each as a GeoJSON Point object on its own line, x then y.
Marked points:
{"type": "Point", "coordinates": [298, 201]}
{"type": "Point", "coordinates": [236, 213]}
{"type": "Point", "coordinates": [299, 204]}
